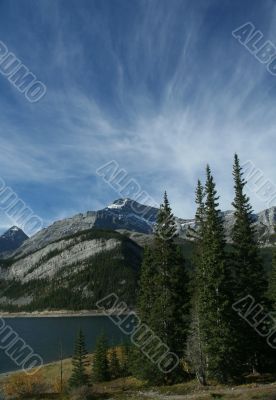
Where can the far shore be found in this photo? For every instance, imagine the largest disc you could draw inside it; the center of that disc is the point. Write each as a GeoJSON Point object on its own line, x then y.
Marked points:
{"type": "Point", "coordinates": [59, 313]}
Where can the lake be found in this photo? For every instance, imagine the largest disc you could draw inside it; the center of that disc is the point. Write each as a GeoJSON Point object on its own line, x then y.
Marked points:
{"type": "Point", "coordinates": [45, 334]}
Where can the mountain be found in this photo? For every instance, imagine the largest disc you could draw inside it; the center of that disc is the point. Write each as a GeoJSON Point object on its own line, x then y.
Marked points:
{"type": "Point", "coordinates": [72, 273]}
{"type": "Point", "coordinates": [126, 216]}
{"type": "Point", "coordinates": [11, 240]}
{"type": "Point", "coordinates": [78, 260]}
{"type": "Point", "coordinates": [123, 214]}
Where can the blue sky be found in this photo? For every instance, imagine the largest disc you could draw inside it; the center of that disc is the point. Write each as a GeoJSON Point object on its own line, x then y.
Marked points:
{"type": "Point", "coordinates": [160, 86]}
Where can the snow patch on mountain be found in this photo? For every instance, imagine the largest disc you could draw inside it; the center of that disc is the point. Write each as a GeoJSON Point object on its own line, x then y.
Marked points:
{"type": "Point", "coordinates": [119, 204]}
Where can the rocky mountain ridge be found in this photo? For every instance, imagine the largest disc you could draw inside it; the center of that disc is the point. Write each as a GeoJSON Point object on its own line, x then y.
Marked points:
{"type": "Point", "coordinates": [129, 215]}
{"type": "Point", "coordinates": [75, 261]}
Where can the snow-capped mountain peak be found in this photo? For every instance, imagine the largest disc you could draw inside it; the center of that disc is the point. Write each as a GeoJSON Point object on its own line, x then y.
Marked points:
{"type": "Point", "coordinates": [14, 229]}
{"type": "Point", "coordinates": [12, 232]}
{"type": "Point", "coordinates": [12, 239]}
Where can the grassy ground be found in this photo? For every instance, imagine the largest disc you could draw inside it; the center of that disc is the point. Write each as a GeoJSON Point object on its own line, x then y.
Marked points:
{"type": "Point", "coordinates": [259, 388]}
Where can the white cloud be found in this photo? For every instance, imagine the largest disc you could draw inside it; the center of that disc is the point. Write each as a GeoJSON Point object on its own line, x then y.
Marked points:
{"type": "Point", "coordinates": [166, 122]}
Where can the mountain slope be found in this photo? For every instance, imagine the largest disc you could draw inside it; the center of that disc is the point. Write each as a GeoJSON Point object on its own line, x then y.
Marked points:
{"type": "Point", "coordinates": [76, 261]}
{"type": "Point", "coordinates": [122, 214]}
{"type": "Point", "coordinates": [73, 273]}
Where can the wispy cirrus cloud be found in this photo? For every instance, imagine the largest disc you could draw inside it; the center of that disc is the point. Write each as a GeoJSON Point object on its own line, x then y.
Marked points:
{"type": "Point", "coordinates": [161, 87]}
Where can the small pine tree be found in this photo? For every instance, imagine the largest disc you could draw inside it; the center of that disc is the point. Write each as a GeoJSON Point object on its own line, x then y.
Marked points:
{"type": "Point", "coordinates": [79, 376]}
{"type": "Point", "coordinates": [125, 359]}
{"type": "Point", "coordinates": [100, 371]}
{"type": "Point", "coordinates": [114, 365]}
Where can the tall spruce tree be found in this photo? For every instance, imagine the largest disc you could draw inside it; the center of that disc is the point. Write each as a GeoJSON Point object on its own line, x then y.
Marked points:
{"type": "Point", "coordinates": [249, 268]}
{"type": "Point", "coordinates": [138, 363]}
{"type": "Point", "coordinates": [272, 280]}
{"type": "Point", "coordinates": [196, 234]}
{"type": "Point", "coordinates": [100, 367]}
{"type": "Point", "coordinates": [147, 295]}
{"type": "Point", "coordinates": [214, 298]}
{"type": "Point", "coordinates": [163, 300]}
{"type": "Point", "coordinates": [248, 271]}
{"type": "Point", "coordinates": [79, 376]}
{"type": "Point", "coordinates": [195, 345]}
{"type": "Point", "coordinates": [171, 306]}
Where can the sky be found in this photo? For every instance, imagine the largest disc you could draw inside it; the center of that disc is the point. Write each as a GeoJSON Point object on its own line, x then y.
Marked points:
{"type": "Point", "coordinates": [160, 86]}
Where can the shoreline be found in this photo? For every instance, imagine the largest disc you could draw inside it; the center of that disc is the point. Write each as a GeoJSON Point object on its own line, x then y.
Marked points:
{"type": "Point", "coordinates": [56, 314]}
{"type": "Point", "coordinates": [48, 364]}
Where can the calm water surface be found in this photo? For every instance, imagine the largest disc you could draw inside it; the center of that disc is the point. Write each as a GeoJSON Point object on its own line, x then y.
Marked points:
{"type": "Point", "coordinates": [45, 334]}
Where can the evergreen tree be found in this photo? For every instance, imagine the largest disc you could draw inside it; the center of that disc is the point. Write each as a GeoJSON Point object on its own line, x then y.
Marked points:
{"type": "Point", "coordinates": [268, 360]}
{"type": "Point", "coordinates": [247, 267]}
{"type": "Point", "coordinates": [142, 368]}
{"type": "Point", "coordinates": [195, 346]}
{"type": "Point", "coordinates": [79, 376]}
{"type": "Point", "coordinates": [163, 300]}
{"type": "Point", "coordinates": [100, 370]}
{"type": "Point", "coordinates": [272, 280]}
{"type": "Point", "coordinates": [214, 298]}
{"type": "Point", "coordinates": [250, 276]}
{"type": "Point", "coordinates": [171, 305]}
{"type": "Point", "coordinates": [197, 232]}
{"type": "Point", "coordinates": [125, 359]}
{"type": "Point", "coordinates": [147, 296]}
{"type": "Point", "coordinates": [114, 365]}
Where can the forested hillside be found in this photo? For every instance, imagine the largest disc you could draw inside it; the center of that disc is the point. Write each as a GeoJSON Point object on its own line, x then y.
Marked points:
{"type": "Point", "coordinates": [72, 273]}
